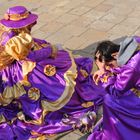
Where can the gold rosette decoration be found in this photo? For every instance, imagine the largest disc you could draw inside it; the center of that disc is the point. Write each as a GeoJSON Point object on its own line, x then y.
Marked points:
{"type": "Point", "coordinates": [34, 93]}
{"type": "Point", "coordinates": [50, 70]}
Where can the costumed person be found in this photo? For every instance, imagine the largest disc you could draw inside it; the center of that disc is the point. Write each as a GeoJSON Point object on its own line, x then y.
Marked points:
{"type": "Point", "coordinates": [119, 74]}
{"type": "Point", "coordinates": [39, 96]}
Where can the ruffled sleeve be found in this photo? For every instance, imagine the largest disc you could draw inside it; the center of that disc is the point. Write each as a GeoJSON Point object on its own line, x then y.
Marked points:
{"type": "Point", "coordinates": [125, 78]}
{"type": "Point", "coordinates": [19, 46]}
{"type": "Point", "coordinates": [120, 82]}
{"type": "Point", "coordinates": [40, 54]}
{"type": "Point", "coordinates": [43, 53]}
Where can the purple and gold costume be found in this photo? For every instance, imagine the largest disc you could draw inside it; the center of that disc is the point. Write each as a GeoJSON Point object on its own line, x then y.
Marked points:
{"type": "Point", "coordinates": [43, 90]}
{"type": "Point", "coordinates": [121, 107]}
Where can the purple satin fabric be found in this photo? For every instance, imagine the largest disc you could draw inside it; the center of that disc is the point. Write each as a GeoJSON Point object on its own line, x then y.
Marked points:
{"type": "Point", "coordinates": [121, 107]}
{"type": "Point", "coordinates": [85, 90]}
{"type": "Point", "coordinates": [6, 36]}
{"type": "Point", "coordinates": [53, 84]}
{"type": "Point", "coordinates": [51, 89]}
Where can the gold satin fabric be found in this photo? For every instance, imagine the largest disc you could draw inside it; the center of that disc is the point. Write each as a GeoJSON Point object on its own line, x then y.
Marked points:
{"type": "Point", "coordinates": [16, 17]}
{"type": "Point", "coordinates": [19, 46]}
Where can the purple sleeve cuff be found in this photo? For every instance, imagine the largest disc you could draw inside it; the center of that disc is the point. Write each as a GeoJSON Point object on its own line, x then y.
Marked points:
{"type": "Point", "coordinates": [38, 55]}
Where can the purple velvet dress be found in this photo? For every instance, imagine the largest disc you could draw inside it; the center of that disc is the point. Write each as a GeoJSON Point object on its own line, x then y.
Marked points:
{"type": "Point", "coordinates": [43, 91]}
{"type": "Point", "coordinates": [121, 106]}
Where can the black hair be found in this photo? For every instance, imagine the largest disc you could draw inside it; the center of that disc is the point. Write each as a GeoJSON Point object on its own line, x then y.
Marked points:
{"type": "Point", "coordinates": [105, 50]}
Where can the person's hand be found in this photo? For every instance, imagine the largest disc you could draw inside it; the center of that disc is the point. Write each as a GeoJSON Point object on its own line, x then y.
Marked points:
{"type": "Point", "coordinates": [101, 66]}
{"type": "Point", "coordinates": [97, 75]}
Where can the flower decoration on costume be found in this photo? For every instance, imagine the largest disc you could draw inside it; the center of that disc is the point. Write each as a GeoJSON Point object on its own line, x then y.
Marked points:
{"type": "Point", "coordinates": [50, 70]}
{"type": "Point", "coordinates": [34, 93]}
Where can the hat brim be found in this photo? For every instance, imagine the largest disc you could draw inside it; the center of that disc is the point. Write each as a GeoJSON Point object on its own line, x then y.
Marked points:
{"type": "Point", "coordinates": [21, 23]}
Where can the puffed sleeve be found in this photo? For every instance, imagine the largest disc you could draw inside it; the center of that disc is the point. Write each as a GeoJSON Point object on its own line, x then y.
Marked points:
{"type": "Point", "coordinates": [122, 81]}
{"type": "Point", "coordinates": [40, 54]}
{"type": "Point", "coordinates": [43, 53]}
{"type": "Point", "coordinates": [19, 46]}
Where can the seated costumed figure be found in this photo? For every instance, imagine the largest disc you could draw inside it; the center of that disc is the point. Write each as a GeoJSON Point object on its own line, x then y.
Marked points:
{"type": "Point", "coordinates": [43, 89]}
{"type": "Point", "coordinates": [119, 75]}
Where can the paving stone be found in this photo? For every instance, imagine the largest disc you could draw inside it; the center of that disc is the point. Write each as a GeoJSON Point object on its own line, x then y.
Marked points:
{"type": "Point", "coordinates": [39, 34]}
{"type": "Point", "coordinates": [122, 30]}
{"type": "Point", "coordinates": [110, 17]}
{"type": "Point", "coordinates": [74, 43]}
{"type": "Point", "coordinates": [83, 21]}
{"type": "Point", "coordinates": [93, 3]}
{"type": "Point", "coordinates": [94, 14]}
{"type": "Point", "coordinates": [80, 10]}
{"type": "Point", "coordinates": [51, 27]}
{"type": "Point", "coordinates": [134, 14]}
{"type": "Point", "coordinates": [67, 18]}
{"type": "Point", "coordinates": [102, 25]}
{"type": "Point", "coordinates": [48, 17]}
{"type": "Point", "coordinates": [137, 32]}
{"type": "Point", "coordinates": [72, 4]}
{"type": "Point", "coordinates": [121, 10]}
{"type": "Point", "coordinates": [59, 37]}
{"type": "Point", "coordinates": [62, 3]}
{"type": "Point", "coordinates": [93, 35]}
{"type": "Point", "coordinates": [38, 26]}
{"type": "Point", "coordinates": [73, 30]}
{"type": "Point", "coordinates": [104, 7]}
{"type": "Point", "coordinates": [131, 21]}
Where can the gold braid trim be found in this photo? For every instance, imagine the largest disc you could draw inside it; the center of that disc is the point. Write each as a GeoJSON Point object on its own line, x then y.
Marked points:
{"type": "Point", "coordinates": [16, 17]}
{"type": "Point", "coordinates": [70, 77]}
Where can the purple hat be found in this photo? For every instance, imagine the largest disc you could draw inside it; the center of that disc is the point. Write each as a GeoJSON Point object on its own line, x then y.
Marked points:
{"type": "Point", "coordinates": [18, 17]}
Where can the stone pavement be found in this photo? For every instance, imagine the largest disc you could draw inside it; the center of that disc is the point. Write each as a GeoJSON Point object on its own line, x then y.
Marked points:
{"type": "Point", "coordinates": [78, 23]}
